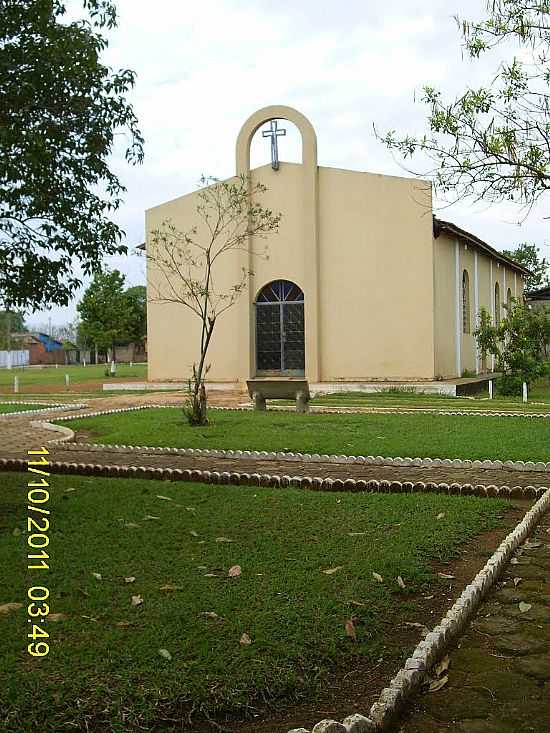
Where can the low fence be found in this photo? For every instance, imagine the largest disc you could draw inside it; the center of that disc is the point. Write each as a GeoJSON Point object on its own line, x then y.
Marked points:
{"type": "Point", "coordinates": [10, 359]}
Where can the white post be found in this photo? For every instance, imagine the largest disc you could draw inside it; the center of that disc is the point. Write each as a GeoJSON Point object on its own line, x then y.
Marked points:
{"type": "Point", "coordinates": [525, 391]}
{"type": "Point", "coordinates": [131, 364]}
{"type": "Point", "coordinates": [113, 367]}
{"type": "Point", "coordinates": [67, 381]}
{"type": "Point", "coordinates": [83, 362]}
{"type": "Point", "coordinates": [490, 389]}
{"type": "Point", "coordinates": [16, 385]}
{"type": "Point", "coordinates": [9, 360]}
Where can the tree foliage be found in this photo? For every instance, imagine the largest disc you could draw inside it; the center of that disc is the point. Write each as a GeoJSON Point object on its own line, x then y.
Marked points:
{"type": "Point", "coordinates": [529, 256]}
{"type": "Point", "coordinates": [61, 111]}
{"type": "Point", "coordinates": [109, 314]}
{"type": "Point", "coordinates": [10, 322]}
{"type": "Point", "coordinates": [136, 303]}
{"type": "Point", "coordinates": [519, 343]}
{"type": "Point", "coordinates": [493, 143]}
{"type": "Point", "coordinates": [187, 265]}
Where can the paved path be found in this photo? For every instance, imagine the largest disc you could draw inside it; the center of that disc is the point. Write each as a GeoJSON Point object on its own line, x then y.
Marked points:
{"type": "Point", "coordinates": [17, 436]}
{"type": "Point", "coordinates": [499, 677]}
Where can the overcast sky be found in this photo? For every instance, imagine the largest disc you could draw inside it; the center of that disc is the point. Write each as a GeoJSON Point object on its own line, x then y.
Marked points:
{"type": "Point", "coordinates": [203, 68]}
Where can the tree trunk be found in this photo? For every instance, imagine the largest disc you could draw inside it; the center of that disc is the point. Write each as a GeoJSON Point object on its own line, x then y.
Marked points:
{"type": "Point", "coordinates": [199, 401]}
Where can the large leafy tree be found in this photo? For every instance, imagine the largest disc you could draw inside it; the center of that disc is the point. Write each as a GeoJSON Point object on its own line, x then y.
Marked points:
{"type": "Point", "coordinates": [104, 313]}
{"type": "Point", "coordinates": [61, 110]}
{"type": "Point", "coordinates": [493, 143]}
{"type": "Point", "coordinates": [529, 256]}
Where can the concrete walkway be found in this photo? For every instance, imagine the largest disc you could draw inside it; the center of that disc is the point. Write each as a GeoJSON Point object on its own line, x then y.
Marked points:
{"type": "Point", "coordinates": [499, 676]}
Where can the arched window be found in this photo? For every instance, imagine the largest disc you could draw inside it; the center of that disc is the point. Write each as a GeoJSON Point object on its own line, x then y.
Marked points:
{"type": "Point", "coordinates": [509, 298]}
{"type": "Point", "coordinates": [465, 302]}
{"type": "Point", "coordinates": [497, 304]}
{"type": "Point", "coordinates": [280, 335]}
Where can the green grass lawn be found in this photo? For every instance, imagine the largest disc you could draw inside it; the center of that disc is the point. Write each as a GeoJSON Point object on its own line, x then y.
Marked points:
{"type": "Point", "coordinates": [419, 435]}
{"type": "Point", "coordinates": [539, 400]}
{"type": "Point", "coordinates": [16, 407]}
{"type": "Point", "coordinates": [30, 377]}
{"type": "Point", "coordinates": [105, 671]}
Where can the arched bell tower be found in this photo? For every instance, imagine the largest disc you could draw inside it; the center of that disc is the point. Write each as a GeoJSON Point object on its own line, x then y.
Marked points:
{"type": "Point", "coordinates": [309, 234]}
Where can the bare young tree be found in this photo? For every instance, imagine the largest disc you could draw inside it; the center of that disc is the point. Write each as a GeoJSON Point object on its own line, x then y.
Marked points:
{"type": "Point", "coordinates": [229, 219]}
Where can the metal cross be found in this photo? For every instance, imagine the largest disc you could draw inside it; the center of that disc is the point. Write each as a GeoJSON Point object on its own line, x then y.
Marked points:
{"type": "Point", "coordinates": [273, 133]}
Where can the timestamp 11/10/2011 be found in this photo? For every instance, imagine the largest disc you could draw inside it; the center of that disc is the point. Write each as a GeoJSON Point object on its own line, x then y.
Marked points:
{"type": "Point", "coordinates": [38, 525]}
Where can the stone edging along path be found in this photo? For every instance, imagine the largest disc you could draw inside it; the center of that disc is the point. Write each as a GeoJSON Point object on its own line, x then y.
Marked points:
{"type": "Point", "coordinates": [433, 648]}
{"type": "Point", "coordinates": [539, 466]}
{"type": "Point", "coordinates": [313, 483]}
{"type": "Point", "coordinates": [45, 407]}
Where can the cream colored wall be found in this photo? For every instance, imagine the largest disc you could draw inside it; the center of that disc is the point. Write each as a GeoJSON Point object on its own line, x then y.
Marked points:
{"type": "Point", "coordinates": [173, 331]}
{"type": "Point", "coordinates": [376, 285]}
{"type": "Point", "coordinates": [490, 271]}
{"type": "Point", "coordinates": [375, 280]}
{"type": "Point", "coordinates": [444, 306]}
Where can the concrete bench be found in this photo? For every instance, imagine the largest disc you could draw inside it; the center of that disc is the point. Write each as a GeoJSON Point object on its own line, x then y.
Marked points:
{"type": "Point", "coordinates": [261, 390]}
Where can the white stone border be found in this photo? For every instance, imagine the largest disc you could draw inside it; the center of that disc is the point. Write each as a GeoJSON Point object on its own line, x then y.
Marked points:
{"type": "Point", "coordinates": [311, 483]}
{"type": "Point", "coordinates": [433, 648]}
{"type": "Point", "coordinates": [248, 455]}
{"type": "Point", "coordinates": [57, 407]}
{"type": "Point", "coordinates": [67, 433]}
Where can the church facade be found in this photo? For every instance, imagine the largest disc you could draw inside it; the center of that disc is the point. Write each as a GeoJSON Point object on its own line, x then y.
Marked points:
{"type": "Point", "coordinates": [361, 284]}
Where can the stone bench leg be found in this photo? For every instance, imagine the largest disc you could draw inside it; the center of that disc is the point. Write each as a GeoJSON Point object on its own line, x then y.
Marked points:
{"type": "Point", "coordinates": [259, 401]}
{"type": "Point", "coordinates": [302, 402]}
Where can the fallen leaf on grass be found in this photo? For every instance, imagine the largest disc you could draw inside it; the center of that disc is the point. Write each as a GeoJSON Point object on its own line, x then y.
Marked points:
{"type": "Point", "coordinates": [165, 653]}
{"type": "Point", "coordinates": [446, 576]}
{"type": "Point", "coordinates": [524, 607]}
{"type": "Point", "coordinates": [532, 545]}
{"type": "Point", "coordinates": [170, 587]}
{"type": "Point", "coordinates": [437, 685]}
{"type": "Point", "coordinates": [130, 579]}
{"type": "Point", "coordinates": [68, 490]}
{"type": "Point", "coordinates": [209, 614]}
{"type": "Point", "coordinates": [223, 539]}
{"type": "Point", "coordinates": [358, 603]}
{"type": "Point", "coordinates": [517, 581]}
{"type": "Point", "coordinates": [97, 576]}
{"type": "Point", "coordinates": [148, 517]}
{"type": "Point", "coordinates": [164, 498]}
{"type": "Point", "coordinates": [443, 666]}
{"type": "Point", "coordinates": [193, 533]}
{"type": "Point", "coordinates": [124, 624]}
{"type": "Point", "coordinates": [331, 571]}
{"type": "Point", "coordinates": [234, 571]}
{"type": "Point", "coordinates": [245, 640]}
{"type": "Point", "coordinates": [137, 600]}
{"type": "Point", "coordinates": [210, 575]}
{"type": "Point", "coordinates": [131, 525]}
{"type": "Point", "coordinates": [378, 577]}
{"type": "Point", "coordinates": [441, 515]}
{"type": "Point", "coordinates": [350, 629]}
{"type": "Point", "coordinates": [356, 534]}
{"type": "Point", "coordinates": [16, 532]}
{"type": "Point", "coordinates": [401, 582]}
{"type": "Point", "coordinates": [428, 598]}
{"type": "Point", "coordinates": [57, 617]}
{"type": "Point", "coordinates": [9, 607]}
